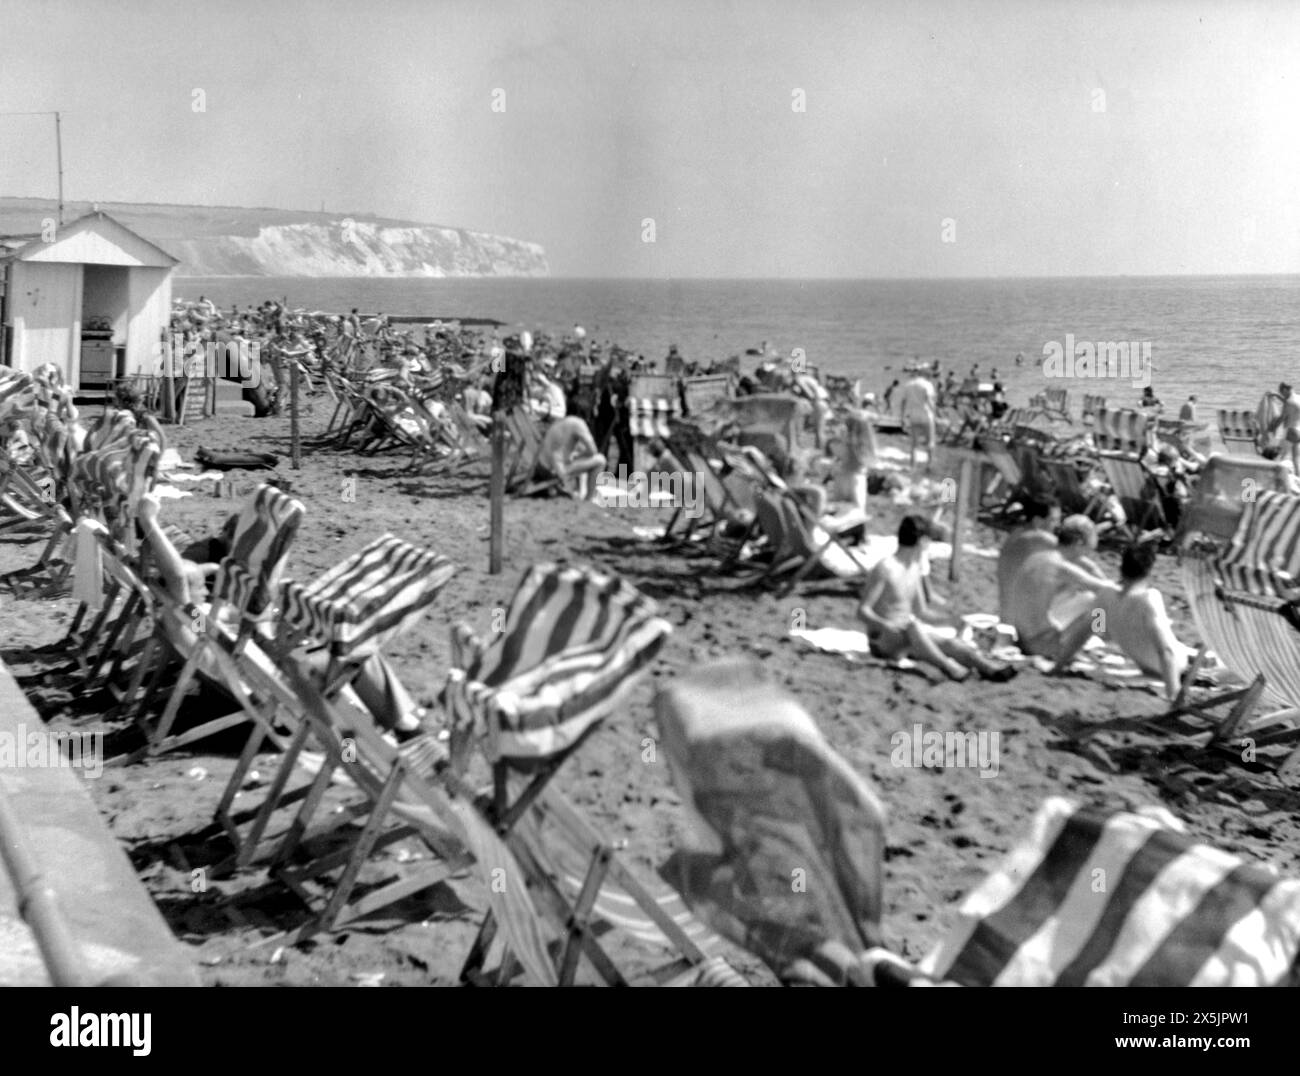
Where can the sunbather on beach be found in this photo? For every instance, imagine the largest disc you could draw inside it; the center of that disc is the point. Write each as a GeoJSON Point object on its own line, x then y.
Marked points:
{"type": "Point", "coordinates": [898, 617]}
{"type": "Point", "coordinates": [1041, 517]}
{"type": "Point", "coordinates": [1136, 621]}
{"type": "Point", "coordinates": [1044, 580]}
{"type": "Point", "coordinates": [568, 451]}
{"type": "Point", "coordinates": [185, 578]}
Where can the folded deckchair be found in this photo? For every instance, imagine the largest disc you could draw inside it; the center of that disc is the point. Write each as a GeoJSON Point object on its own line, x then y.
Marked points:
{"type": "Point", "coordinates": [212, 638]}
{"type": "Point", "coordinates": [572, 646]}
{"type": "Point", "coordinates": [351, 611]}
{"type": "Point", "coordinates": [1093, 897]}
{"type": "Point", "coordinates": [1121, 440]}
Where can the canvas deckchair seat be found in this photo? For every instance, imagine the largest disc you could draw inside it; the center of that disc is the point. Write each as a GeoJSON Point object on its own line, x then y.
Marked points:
{"type": "Point", "coordinates": [1225, 486]}
{"type": "Point", "coordinates": [768, 796]}
{"type": "Point", "coordinates": [17, 393]}
{"type": "Point", "coordinates": [1174, 912]}
{"type": "Point", "coordinates": [249, 575]}
{"type": "Point", "coordinates": [568, 651]}
{"type": "Point", "coordinates": [368, 599]}
{"type": "Point", "coordinates": [1263, 557]}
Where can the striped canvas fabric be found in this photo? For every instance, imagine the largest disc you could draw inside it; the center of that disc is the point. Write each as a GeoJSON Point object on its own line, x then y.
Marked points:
{"type": "Point", "coordinates": [572, 644]}
{"type": "Point", "coordinates": [565, 853]}
{"type": "Point", "coordinates": [647, 417]}
{"type": "Point", "coordinates": [1263, 557]}
{"type": "Point", "coordinates": [369, 598]}
{"type": "Point", "coordinates": [1248, 635]}
{"type": "Point", "coordinates": [1109, 898]}
{"type": "Point", "coordinates": [114, 428]}
{"type": "Point", "coordinates": [248, 577]}
{"type": "Point", "coordinates": [17, 393]}
{"type": "Point", "coordinates": [1121, 431]}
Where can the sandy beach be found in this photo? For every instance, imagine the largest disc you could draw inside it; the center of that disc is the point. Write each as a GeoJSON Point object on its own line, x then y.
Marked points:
{"type": "Point", "coordinates": [946, 827]}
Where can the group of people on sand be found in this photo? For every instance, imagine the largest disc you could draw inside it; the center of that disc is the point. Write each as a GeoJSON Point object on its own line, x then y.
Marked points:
{"type": "Point", "coordinates": [1050, 590]}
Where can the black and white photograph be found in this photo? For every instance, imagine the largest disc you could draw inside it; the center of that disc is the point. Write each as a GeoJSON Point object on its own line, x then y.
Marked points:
{"type": "Point", "coordinates": [692, 493]}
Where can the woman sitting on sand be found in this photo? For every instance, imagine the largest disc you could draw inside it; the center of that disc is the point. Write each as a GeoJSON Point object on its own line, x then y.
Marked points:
{"type": "Point", "coordinates": [185, 577]}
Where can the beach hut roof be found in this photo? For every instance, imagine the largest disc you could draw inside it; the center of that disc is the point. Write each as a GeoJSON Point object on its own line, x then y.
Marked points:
{"type": "Point", "coordinates": [94, 239]}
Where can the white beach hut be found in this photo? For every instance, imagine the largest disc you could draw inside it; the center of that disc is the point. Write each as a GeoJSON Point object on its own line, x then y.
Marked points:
{"type": "Point", "coordinates": [90, 296]}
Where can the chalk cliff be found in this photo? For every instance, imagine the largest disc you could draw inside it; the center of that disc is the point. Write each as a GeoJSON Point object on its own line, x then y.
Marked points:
{"type": "Point", "coordinates": [234, 241]}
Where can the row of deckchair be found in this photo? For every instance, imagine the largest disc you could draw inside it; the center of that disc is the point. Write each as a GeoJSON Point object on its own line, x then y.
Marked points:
{"type": "Point", "coordinates": [1027, 462]}
{"type": "Point", "coordinates": [573, 645]}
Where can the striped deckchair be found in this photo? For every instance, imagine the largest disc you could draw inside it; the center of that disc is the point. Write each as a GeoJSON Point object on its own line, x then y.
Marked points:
{"type": "Point", "coordinates": [1121, 440]}
{"type": "Point", "coordinates": [403, 785]}
{"type": "Point", "coordinates": [765, 793]}
{"type": "Point", "coordinates": [728, 498]}
{"type": "Point", "coordinates": [1091, 405]}
{"type": "Point", "coordinates": [522, 477]}
{"type": "Point", "coordinates": [352, 611]}
{"type": "Point", "coordinates": [572, 645]}
{"type": "Point", "coordinates": [116, 477]}
{"type": "Point", "coordinates": [245, 587]}
{"type": "Point", "coordinates": [802, 547]}
{"type": "Point", "coordinates": [1014, 485]}
{"type": "Point", "coordinates": [1242, 601]}
{"type": "Point", "coordinates": [1096, 897]}
{"type": "Point", "coordinates": [648, 418]}
{"type": "Point", "coordinates": [1239, 430]}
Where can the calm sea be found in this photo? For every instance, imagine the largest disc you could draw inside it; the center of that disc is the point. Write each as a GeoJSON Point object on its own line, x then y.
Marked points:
{"type": "Point", "coordinates": [1227, 339]}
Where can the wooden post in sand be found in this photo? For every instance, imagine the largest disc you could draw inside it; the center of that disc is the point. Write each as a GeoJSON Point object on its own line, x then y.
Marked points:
{"type": "Point", "coordinates": [965, 484]}
{"type": "Point", "coordinates": [497, 492]}
{"type": "Point", "coordinates": [294, 441]}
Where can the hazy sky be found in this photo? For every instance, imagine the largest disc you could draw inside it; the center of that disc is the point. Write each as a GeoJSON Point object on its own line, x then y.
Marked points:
{"type": "Point", "coordinates": [988, 114]}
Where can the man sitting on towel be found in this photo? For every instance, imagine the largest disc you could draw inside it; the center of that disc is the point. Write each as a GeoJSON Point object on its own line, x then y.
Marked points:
{"type": "Point", "coordinates": [185, 579]}
{"type": "Point", "coordinates": [1048, 577]}
{"type": "Point", "coordinates": [898, 617]}
{"type": "Point", "coordinates": [569, 451]}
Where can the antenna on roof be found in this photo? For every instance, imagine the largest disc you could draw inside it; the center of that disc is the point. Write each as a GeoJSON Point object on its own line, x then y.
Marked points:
{"type": "Point", "coordinates": [58, 142]}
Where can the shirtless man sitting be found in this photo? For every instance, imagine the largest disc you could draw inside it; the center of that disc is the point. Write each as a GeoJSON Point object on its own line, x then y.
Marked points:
{"type": "Point", "coordinates": [1044, 579]}
{"type": "Point", "coordinates": [1136, 621]}
{"type": "Point", "coordinates": [569, 451]}
{"type": "Point", "coordinates": [1041, 516]}
{"type": "Point", "coordinates": [898, 616]}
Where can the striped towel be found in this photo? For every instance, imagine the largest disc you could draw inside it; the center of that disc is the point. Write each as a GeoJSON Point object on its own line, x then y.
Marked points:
{"type": "Point", "coordinates": [572, 643]}
{"type": "Point", "coordinates": [1108, 898]}
{"type": "Point", "coordinates": [369, 598]}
